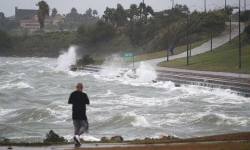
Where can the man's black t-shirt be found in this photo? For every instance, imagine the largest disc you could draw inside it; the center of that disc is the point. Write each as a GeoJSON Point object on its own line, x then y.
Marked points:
{"type": "Point", "coordinates": [79, 101]}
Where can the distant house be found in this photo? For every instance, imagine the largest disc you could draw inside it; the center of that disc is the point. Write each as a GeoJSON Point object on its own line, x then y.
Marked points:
{"type": "Point", "coordinates": [24, 13]}
{"type": "Point", "coordinates": [33, 23]}
{"type": "Point", "coordinates": [28, 18]}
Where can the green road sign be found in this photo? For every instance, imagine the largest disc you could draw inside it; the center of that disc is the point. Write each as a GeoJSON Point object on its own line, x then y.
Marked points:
{"type": "Point", "coordinates": [129, 55]}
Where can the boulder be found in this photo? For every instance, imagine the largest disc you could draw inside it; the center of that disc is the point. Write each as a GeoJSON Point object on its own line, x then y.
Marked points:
{"type": "Point", "coordinates": [117, 138]}
{"type": "Point", "coordinates": [163, 136]}
{"type": "Point", "coordinates": [104, 139]}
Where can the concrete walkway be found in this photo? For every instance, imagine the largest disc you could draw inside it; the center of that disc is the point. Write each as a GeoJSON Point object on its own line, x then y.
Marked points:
{"type": "Point", "coordinates": [217, 41]}
{"type": "Point", "coordinates": [112, 145]}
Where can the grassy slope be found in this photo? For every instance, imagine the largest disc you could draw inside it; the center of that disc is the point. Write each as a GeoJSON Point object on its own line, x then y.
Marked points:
{"type": "Point", "coordinates": [223, 58]}
{"type": "Point", "coordinates": [161, 54]}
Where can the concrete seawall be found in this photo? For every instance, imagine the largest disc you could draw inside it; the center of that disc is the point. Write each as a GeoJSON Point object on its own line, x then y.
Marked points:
{"type": "Point", "coordinates": [239, 88]}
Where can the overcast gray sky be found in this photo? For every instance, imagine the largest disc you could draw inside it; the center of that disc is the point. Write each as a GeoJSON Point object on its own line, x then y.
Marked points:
{"type": "Point", "coordinates": [64, 6]}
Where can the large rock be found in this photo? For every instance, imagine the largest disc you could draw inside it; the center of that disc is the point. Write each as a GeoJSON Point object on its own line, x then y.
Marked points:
{"type": "Point", "coordinates": [163, 136]}
{"type": "Point", "coordinates": [104, 139]}
{"type": "Point", "coordinates": [117, 138]}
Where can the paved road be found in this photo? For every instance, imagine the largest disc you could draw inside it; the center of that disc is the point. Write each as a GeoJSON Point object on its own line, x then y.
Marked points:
{"type": "Point", "coordinates": [217, 41]}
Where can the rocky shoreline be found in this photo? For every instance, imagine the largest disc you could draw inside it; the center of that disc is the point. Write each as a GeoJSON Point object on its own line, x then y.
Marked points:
{"type": "Point", "coordinates": [240, 86]}
{"type": "Point", "coordinates": [198, 75]}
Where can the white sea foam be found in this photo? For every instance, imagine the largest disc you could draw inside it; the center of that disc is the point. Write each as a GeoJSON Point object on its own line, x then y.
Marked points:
{"type": "Point", "coordinates": [19, 85]}
{"type": "Point", "coordinates": [11, 63]}
{"type": "Point", "coordinates": [138, 121]}
{"type": "Point", "coordinates": [146, 72]}
{"type": "Point", "coordinates": [143, 76]}
{"type": "Point", "coordinates": [85, 137]}
{"type": "Point", "coordinates": [139, 101]}
{"type": "Point", "coordinates": [232, 120]}
{"type": "Point", "coordinates": [30, 61]}
{"type": "Point", "coordinates": [109, 92]}
{"type": "Point", "coordinates": [3, 112]}
{"type": "Point", "coordinates": [78, 73]}
{"type": "Point", "coordinates": [215, 95]}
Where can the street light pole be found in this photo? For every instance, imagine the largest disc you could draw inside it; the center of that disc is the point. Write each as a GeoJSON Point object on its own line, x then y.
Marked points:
{"type": "Point", "coordinates": [211, 33]}
{"type": "Point", "coordinates": [190, 36]}
{"type": "Point", "coordinates": [167, 15]}
{"type": "Point", "coordinates": [168, 40]}
{"type": "Point", "coordinates": [230, 37]}
{"type": "Point", "coordinates": [205, 5]}
{"type": "Point", "coordinates": [172, 4]}
{"type": "Point", "coordinates": [186, 12]}
{"type": "Point", "coordinates": [239, 35]}
{"type": "Point", "coordinates": [245, 5]}
{"type": "Point", "coordinates": [239, 39]}
{"type": "Point", "coordinates": [187, 41]}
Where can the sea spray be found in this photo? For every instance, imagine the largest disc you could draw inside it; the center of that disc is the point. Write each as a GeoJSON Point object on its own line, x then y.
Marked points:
{"type": "Point", "coordinates": [146, 72]}
{"type": "Point", "coordinates": [65, 60]}
{"type": "Point", "coordinates": [112, 67]}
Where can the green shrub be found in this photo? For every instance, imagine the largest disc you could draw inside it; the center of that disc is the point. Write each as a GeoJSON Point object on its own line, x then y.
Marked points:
{"type": "Point", "coordinates": [95, 33]}
{"type": "Point", "coordinates": [52, 137]}
{"type": "Point", "coordinates": [5, 40]}
{"type": "Point", "coordinates": [85, 60]}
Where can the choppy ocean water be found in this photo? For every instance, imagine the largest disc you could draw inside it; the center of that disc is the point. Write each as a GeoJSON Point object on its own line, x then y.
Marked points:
{"type": "Point", "coordinates": [34, 94]}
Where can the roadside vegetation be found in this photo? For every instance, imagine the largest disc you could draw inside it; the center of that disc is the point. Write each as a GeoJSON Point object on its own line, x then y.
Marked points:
{"type": "Point", "coordinates": [224, 58]}
{"type": "Point", "coordinates": [138, 29]}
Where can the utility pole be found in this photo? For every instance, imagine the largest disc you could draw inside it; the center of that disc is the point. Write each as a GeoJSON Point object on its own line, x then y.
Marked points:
{"type": "Point", "coordinates": [230, 37]}
{"type": "Point", "coordinates": [186, 12]}
{"type": "Point", "coordinates": [167, 15]}
{"type": "Point", "coordinates": [187, 41]}
{"type": "Point", "coordinates": [205, 5]}
{"type": "Point", "coordinates": [245, 5]}
{"type": "Point", "coordinates": [172, 4]}
{"type": "Point", "coordinates": [239, 38]}
{"type": "Point", "coordinates": [190, 40]}
{"type": "Point", "coordinates": [225, 4]}
{"type": "Point", "coordinates": [212, 34]}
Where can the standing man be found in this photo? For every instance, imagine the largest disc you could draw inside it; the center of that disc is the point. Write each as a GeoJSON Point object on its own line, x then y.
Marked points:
{"type": "Point", "coordinates": [79, 99]}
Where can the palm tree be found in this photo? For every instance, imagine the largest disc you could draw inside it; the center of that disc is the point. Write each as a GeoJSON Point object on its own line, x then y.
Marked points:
{"type": "Point", "coordinates": [89, 13]}
{"type": "Point", "coordinates": [95, 12]}
{"type": "Point", "coordinates": [109, 14]}
{"type": "Point", "coordinates": [42, 11]}
{"type": "Point", "coordinates": [73, 11]}
{"type": "Point", "coordinates": [149, 10]}
{"type": "Point", "coordinates": [73, 15]}
{"type": "Point", "coordinates": [120, 15]}
{"type": "Point", "coordinates": [54, 12]}
{"type": "Point", "coordinates": [142, 9]}
{"type": "Point", "coordinates": [133, 11]}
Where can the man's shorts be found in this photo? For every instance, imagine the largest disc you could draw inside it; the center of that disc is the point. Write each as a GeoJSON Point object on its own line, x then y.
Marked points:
{"type": "Point", "coordinates": [81, 125]}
